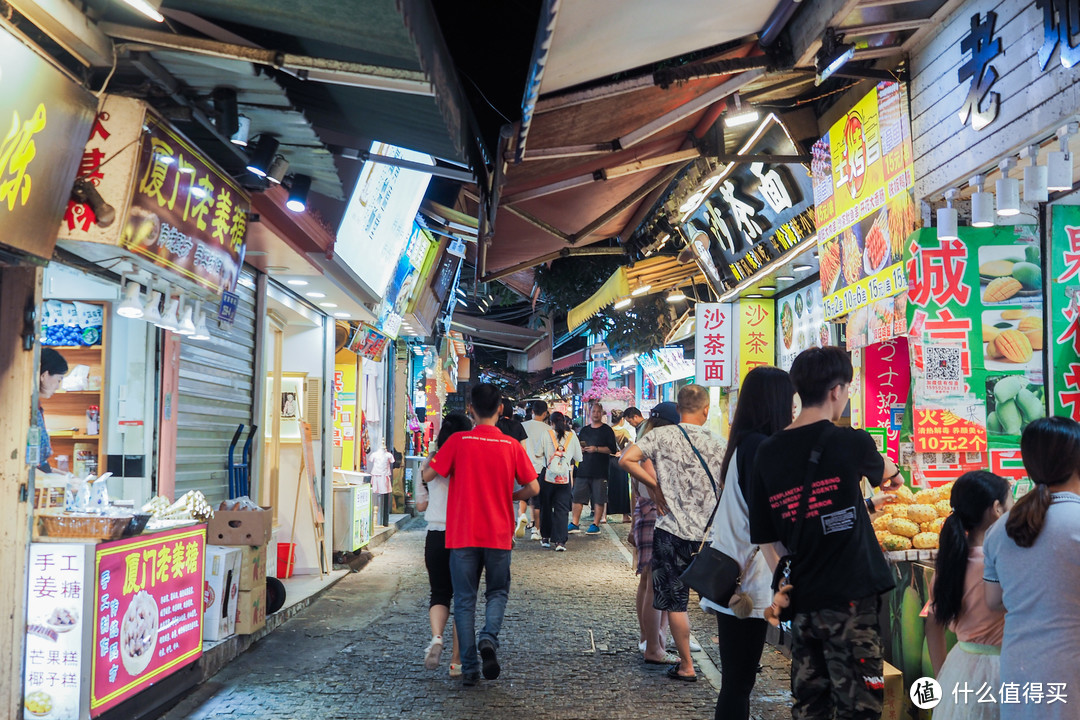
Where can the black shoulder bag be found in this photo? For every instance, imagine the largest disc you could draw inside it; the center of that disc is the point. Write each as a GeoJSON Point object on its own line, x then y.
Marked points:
{"type": "Point", "coordinates": [712, 574]}
{"type": "Point", "coordinates": [782, 574]}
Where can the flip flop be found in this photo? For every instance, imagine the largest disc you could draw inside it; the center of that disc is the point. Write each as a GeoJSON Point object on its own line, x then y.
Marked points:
{"type": "Point", "coordinates": [673, 673]}
{"type": "Point", "coordinates": [668, 660]}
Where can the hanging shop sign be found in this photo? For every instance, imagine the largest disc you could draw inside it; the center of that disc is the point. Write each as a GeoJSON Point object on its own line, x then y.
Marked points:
{"type": "Point", "coordinates": [887, 383]}
{"type": "Point", "coordinates": [41, 110]}
{"type": "Point", "coordinates": [862, 175]}
{"type": "Point", "coordinates": [148, 612]}
{"type": "Point", "coordinates": [52, 673]}
{"type": "Point", "coordinates": [368, 342]}
{"type": "Point", "coordinates": [399, 292]}
{"type": "Point", "coordinates": [712, 344]}
{"type": "Point", "coordinates": [975, 316]}
{"type": "Point", "coordinates": [666, 365]}
{"type": "Point", "coordinates": [800, 325]}
{"type": "Point", "coordinates": [1064, 310]}
{"type": "Point", "coordinates": [175, 208]}
{"type": "Point", "coordinates": [747, 214]}
{"type": "Point", "coordinates": [757, 334]}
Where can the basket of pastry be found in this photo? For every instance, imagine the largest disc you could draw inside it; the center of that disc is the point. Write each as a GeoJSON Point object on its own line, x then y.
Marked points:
{"type": "Point", "coordinates": [82, 526]}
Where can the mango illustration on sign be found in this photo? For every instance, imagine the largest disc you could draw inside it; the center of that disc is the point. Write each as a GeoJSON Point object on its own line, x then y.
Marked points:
{"type": "Point", "coordinates": [17, 151]}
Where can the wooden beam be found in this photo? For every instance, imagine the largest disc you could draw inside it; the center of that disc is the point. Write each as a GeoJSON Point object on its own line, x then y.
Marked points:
{"type": "Point", "coordinates": [649, 163]}
{"type": "Point", "coordinates": [808, 25]}
{"type": "Point", "coordinates": [626, 203]}
{"type": "Point", "coordinates": [550, 188]}
{"type": "Point", "coordinates": [537, 222]}
{"type": "Point", "coordinates": [564, 252]}
{"type": "Point", "coordinates": [569, 151]}
{"type": "Point", "coordinates": [884, 27]}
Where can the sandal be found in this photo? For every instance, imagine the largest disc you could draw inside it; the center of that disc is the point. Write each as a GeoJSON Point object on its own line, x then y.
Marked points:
{"type": "Point", "coordinates": [673, 673]}
{"type": "Point", "coordinates": [669, 659]}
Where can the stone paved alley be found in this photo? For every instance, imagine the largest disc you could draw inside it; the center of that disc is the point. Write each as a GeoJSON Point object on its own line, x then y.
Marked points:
{"type": "Point", "coordinates": [569, 649]}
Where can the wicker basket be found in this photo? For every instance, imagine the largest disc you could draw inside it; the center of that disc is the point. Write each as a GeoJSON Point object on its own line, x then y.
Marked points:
{"type": "Point", "coordinates": [87, 527]}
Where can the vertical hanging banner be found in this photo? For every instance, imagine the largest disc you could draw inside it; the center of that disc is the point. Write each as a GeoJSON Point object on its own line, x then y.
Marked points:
{"type": "Point", "coordinates": [1065, 309]}
{"type": "Point", "coordinates": [862, 173]}
{"type": "Point", "coordinates": [712, 344]}
{"type": "Point", "coordinates": [757, 334]}
{"type": "Point", "coordinates": [887, 379]}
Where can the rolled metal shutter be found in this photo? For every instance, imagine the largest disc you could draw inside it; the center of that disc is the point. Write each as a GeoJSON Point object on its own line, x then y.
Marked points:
{"type": "Point", "coordinates": [215, 395]}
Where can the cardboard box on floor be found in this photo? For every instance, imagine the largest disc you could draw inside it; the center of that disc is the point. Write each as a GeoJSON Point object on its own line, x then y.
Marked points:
{"type": "Point", "coordinates": [220, 590]}
{"type": "Point", "coordinates": [896, 700]}
{"type": "Point", "coordinates": [253, 568]}
{"type": "Point", "coordinates": [240, 527]}
{"type": "Point", "coordinates": [251, 610]}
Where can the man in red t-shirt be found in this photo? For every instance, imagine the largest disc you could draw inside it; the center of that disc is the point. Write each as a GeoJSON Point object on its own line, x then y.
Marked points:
{"type": "Point", "coordinates": [483, 466]}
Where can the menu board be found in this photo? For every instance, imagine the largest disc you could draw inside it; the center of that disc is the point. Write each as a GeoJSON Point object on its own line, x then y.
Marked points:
{"type": "Point", "coordinates": [666, 365]}
{"type": "Point", "coordinates": [800, 325]}
{"type": "Point", "coordinates": [862, 174]}
{"type": "Point", "coordinates": [361, 519]}
{"type": "Point", "coordinates": [52, 675]}
{"type": "Point", "coordinates": [148, 612]}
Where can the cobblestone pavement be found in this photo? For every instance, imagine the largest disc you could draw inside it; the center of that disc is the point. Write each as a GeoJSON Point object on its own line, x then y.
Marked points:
{"type": "Point", "coordinates": [569, 649]}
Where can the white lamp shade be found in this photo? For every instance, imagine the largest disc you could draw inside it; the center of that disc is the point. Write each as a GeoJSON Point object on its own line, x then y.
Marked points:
{"type": "Point", "coordinates": [201, 331]}
{"type": "Point", "coordinates": [151, 311]}
{"type": "Point", "coordinates": [1008, 197]}
{"type": "Point", "coordinates": [187, 322]}
{"type": "Point", "coordinates": [1059, 171]}
{"type": "Point", "coordinates": [170, 319]}
{"type": "Point", "coordinates": [982, 209]}
{"type": "Point", "coordinates": [131, 305]}
{"type": "Point", "coordinates": [1035, 184]}
{"type": "Point", "coordinates": [947, 221]}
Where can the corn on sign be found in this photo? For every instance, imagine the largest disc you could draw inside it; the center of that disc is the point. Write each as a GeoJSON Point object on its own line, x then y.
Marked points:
{"type": "Point", "coordinates": [862, 174]}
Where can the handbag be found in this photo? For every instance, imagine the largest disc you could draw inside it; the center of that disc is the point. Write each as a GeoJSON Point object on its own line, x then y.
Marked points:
{"type": "Point", "coordinates": [713, 574]}
{"type": "Point", "coordinates": [782, 574]}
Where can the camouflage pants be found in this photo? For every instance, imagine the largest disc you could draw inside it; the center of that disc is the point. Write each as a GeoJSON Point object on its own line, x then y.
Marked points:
{"type": "Point", "coordinates": [837, 668]}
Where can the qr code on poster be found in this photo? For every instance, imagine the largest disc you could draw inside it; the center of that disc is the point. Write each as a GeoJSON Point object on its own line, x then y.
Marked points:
{"type": "Point", "coordinates": [942, 364]}
{"type": "Point", "coordinates": [947, 458]}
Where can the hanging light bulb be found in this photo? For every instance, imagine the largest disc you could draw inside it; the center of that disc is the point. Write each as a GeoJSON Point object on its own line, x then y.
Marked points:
{"type": "Point", "coordinates": [1059, 169]}
{"type": "Point", "coordinates": [131, 305]}
{"type": "Point", "coordinates": [641, 290]}
{"type": "Point", "coordinates": [152, 308]}
{"type": "Point", "coordinates": [170, 319]}
{"type": "Point", "coordinates": [1008, 190]}
{"type": "Point", "coordinates": [675, 296]}
{"type": "Point", "coordinates": [982, 203]}
{"type": "Point", "coordinates": [947, 218]}
{"type": "Point", "coordinates": [1035, 177]}
{"type": "Point", "coordinates": [186, 326]}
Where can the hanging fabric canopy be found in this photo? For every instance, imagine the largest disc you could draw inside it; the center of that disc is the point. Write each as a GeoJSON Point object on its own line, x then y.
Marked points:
{"type": "Point", "coordinates": [658, 274]}
{"type": "Point", "coordinates": [616, 286]}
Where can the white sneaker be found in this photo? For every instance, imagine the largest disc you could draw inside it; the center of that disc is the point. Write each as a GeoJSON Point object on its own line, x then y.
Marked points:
{"type": "Point", "coordinates": [434, 650]}
{"type": "Point", "coordinates": [694, 647]}
{"type": "Point", "coordinates": [521, 523]}
{"type": "Point", "coordinates": [455, 669]}
{"type": "Point", "coordinates": [535, 534]}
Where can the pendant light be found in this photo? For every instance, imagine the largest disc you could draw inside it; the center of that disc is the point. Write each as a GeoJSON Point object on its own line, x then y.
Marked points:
{"type": "Point", "coordinates": [131, 305]}
{"type": "Point", "coordinates": [947, 218]}
{"type": "Point", "coordinates": [263, 155]}
{"type": "Point", "coordinates": [298, 193]}
{"type": "Point", "coordinates": [982, 204]}
{"type": "Point", "coordinates": [1008, 190]}
{"type": "Point", "coordinates": [1035, 177]}
{"type": "Point", "coordinates": [1059, 169]}
{"type": "Point", "coordinates": [675, 296]}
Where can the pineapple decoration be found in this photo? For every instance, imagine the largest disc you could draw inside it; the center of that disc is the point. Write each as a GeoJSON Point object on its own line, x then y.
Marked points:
{"type": "Point", "coordinates": [913, 520]}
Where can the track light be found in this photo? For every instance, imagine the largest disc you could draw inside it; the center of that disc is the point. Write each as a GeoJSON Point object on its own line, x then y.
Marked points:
{"type": "Point", "coordinates": [675, 296]}
{"type": "Point", "coordinates": [1008, 190]}
{"type": "Point", "coordinates": [83, 191]}
{"type": "Point", "coordinates": [201, 330]}
{"type": "Point", "coordinates": [131, 305]}
{"type": "Point", "coordinates": [243, 131]}
{"type": "Point", "coordinates": [641, 290]}
{"type": "Point", "coordinates": [277, 170]}
{"type": "Point", "coordinates": [740, 116]}
{"type": "Point", "coordinates": [186, 326]}
{"type": "Point", "coordinates": [982, 203]}
{"type": "Point", "coordinates": [947, 218]}
{"type": "Point", "coordinates": [1059, 169]}
{"type": "Point", "coordinates": [832, 56]}
{"type": "Point", "coordinates": [1035, 177]}
{"type": "Point", "coordinates": [227, 118]}
{"type": "Point", "coordinates": [170, 319]}
{"type": "Point", "coordinates": [263, 155]}
{"type": "Point", "coordinates": [151, 310]}
{"type": "Point", "coordinates": [625, 302]}
{"type": "Point", "coordinates": [298, 193]}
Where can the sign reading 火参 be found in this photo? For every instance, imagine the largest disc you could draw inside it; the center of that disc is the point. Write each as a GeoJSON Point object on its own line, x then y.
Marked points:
{"type": "Point", "coordinates": [712, 348]}
{"type": "Point", "coordinates": [41, 111]}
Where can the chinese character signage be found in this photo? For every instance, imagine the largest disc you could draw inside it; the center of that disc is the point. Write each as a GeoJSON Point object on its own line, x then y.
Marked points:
{"type": "Point", "coordinates": [757, 334]}
{"type": "Point", "coordinates": [368, 342]}
{"type": "Point", "coordinates": [800, 325]}
{"type": "Point", "coordinates": [979, 48]}
{"type": "Point", "coordinates": [402, 285]}
{"type": "Point", "coordinates": [887, 382]}
{"type": "Point", "coordinates": [712, 347]}
{"type": "Point", "coordinates": [1065, 309]}
{"type": "Point", "coordinates": [52, 675]}
{"type": "Point", "coordinates": [41, 112]}
{"type": "Point", "coordinates": [862, 175]}
{"type": "Point", "coordinates": [665, 365]}
{"type": "Point", "coordinates": [175, 208]}
{"type": "Point", "coordinates": [752, 212]}
{"type": "Point", "coordinates": [148, 610]}
{"type": "Point", "coordinates": [952, 426]}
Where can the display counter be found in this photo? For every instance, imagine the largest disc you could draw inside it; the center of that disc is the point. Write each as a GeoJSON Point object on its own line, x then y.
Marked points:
{"type": "Point", "coordinates": [106, 620]}
{"type": "Point", "coordinates": [353, 510]}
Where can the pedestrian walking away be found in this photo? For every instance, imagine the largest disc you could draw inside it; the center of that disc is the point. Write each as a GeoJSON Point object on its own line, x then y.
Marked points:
{"type": "Point", "coordinates": [483, 466]}
{"type": "Point", "coordinates": [540, 448]}
{"type": "Point", "coordinates": [555, 483]}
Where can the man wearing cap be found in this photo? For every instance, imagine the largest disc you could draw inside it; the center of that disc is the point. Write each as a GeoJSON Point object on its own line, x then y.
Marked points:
{"type": "Point", "coordinates": [685, 493]}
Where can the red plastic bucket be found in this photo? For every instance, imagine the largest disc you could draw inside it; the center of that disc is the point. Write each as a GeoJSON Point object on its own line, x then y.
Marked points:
{"type": "Point", "coordinates": [284, 562]}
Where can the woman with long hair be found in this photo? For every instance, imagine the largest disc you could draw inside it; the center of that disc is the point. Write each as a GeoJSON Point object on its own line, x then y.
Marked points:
{"type": "Point", "coordinates": [555, 487]}
{"type": "Point", "coordinates": [431, 500]}
{"type": "Point", "coordinates": [978, 499]}
{"type": "Point", "coordinates": [766, 402]}
{"type": "Point", "coordinates": [1033, 571]}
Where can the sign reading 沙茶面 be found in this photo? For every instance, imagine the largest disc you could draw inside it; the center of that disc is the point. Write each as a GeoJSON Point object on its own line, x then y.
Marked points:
{"type": "Point", "coordinates": [712, 350]}
{"type": "Point", "coordinates": [41, 110]}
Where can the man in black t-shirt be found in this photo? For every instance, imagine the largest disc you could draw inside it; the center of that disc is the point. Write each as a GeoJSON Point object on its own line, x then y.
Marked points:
{"type": "Point", "coordinates": [590, 481]}
{"type": "Point", "coordinates": [839, 572]}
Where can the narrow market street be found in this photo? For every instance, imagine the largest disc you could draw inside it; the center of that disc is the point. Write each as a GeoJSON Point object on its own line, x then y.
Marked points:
{"type": "Point", "coordinates": [569, 649]}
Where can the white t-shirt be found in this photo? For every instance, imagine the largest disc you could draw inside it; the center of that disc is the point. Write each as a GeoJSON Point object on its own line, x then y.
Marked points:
{"type": "Point", "coordinates": [538, 443]}
{"type": "Point", "coordinates": [435, 493]}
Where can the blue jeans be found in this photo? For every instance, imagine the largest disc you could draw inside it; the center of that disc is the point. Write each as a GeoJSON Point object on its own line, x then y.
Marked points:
{"type": "Point", "coordinates": [466, 565]}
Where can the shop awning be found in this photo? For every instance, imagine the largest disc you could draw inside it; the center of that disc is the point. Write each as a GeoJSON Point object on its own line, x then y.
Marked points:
{"type": "Point", "coordinates": [616, 286]}
{"type": "Point", "coordinates": [568, 361]}
{"type": "Point", "coordinates": [656, 274]}
{"type": "Point", "coordinates": [501, 336]}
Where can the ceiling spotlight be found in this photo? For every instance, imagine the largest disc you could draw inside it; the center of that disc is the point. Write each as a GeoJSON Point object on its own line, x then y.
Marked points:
{"type": "Point", "coordinates": [802, 268]}
{"type": "Point", "coordinates": [1035, 177]}
{"type": "Point", "coordinates": [461, 292]}
{"type": "Point", "coordinates": [170, 319]}
{"type": "Point", "coordinates": [202, 332]}
{"type": "Point", "coordinates": [328, 305]}
{"type": "Point", "coordinates": [832, 56]}
{"type": "Point", "coordinates": [131, 305]}
{"type": "Point", "coordinates": [982, 203]}
{"type": "Point", "coordinates": [263, 154]}
{"type": "Point", "coordinates": [83, 191]}
{"type": "Point", "coordinates": [947, 218]}
{"type": "Point", "coordinates": [227, 118]}
{"type": "Point", "coordinates": [298, 193]}
{"type": "Point", "coordinates": [243, 131]}
{"type": "Point", "coordinates": [641, 290]}
{"type": "Point", "coordinates": [625, 302]}
{"type": "Point", "coordinates": [297, 283]}
{"type": "Point", "coordinates": [186, 326]}
{"type": "Point", "coordinates": [754, 295]}
{"type": "Point", "coordinates": [149, 8]}
{"type": "Point", "coordinates": [315, 295]}
{"type": "Point", "coordinates": [786, 278]}
{"type": "Point", "coordinates": [1059, 169]}
{"type": "Point", "coordinates": [277, 170]}
{"type": "Point", "coordinates": [1008, 190]}
{"type": "Point", "coordinates": [341, 314]}
{"type": "Point", "coordinates": [152, 308]}
{"type": "Point", "coordinates": [675, 296]}
{"type": "Point", "coordinates": [740, 116]}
